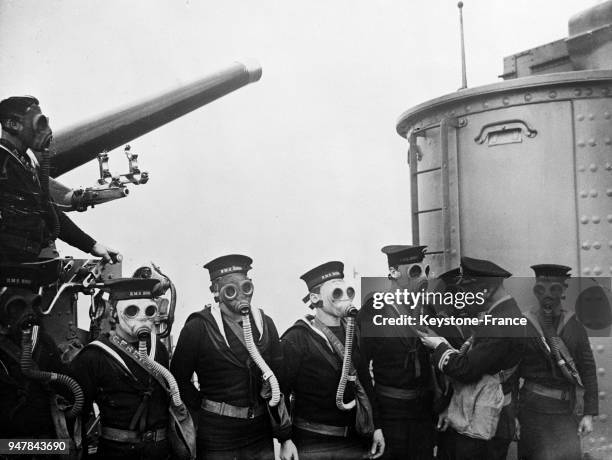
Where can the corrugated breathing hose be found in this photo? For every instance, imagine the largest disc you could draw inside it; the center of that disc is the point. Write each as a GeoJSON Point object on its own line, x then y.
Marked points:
{"type": "Point", "coordinates": [164, 373]}
{"type": "Point", "coordinates": [49, 377]}
{"type": "Point", "coordinates": [260, 362]}
{"type": "Point", "coordinates": [346, 366]}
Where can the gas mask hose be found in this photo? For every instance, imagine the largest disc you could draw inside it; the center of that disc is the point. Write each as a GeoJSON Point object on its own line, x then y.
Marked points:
{"type": "Point", "coordinates": [346, 366]}
{"type": "Point", "coordinates": [260, 362]}
{"type": "Point", "coordinates": [45, 167]}
{"type": "Point", "coordinates": [175, 395]}
{"type": "Point", "coordinates": [27, 368]}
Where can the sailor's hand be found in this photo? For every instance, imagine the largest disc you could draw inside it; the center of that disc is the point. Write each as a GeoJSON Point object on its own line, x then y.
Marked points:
{"type": "Point", "coordinates": [378, 444]}
{"type": "Point", "coordinates": [586, 425]}
{"type": "Point", "coordinates": [430, 339]}
{"type": "Point", "coordinates": [442, 422]}
{"type": "Point", "coordinates": [108, 254]}
{"type": "Point", "coordinates": [266, 390]}
{"type": "Point", "coordinates": [288, 451]}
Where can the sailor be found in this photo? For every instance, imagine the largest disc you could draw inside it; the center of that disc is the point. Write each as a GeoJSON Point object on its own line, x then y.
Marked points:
{"type": "Point", "coordinates": [234, 350]}
{"type": "Point", "coordinates": [400, 362]}
{"type": "Point", "coordinates": [34, 390]}
{"type": "Point", "coordinates": [559, 373]}
{"type": "Point", "coordinates": [326, 377]}
{"type": "Point", "coordinates": [29, 220]}
{"type": "Point", "coordinates": [489, 357]}
{"type": "Point", "coordinates": [132, 400]}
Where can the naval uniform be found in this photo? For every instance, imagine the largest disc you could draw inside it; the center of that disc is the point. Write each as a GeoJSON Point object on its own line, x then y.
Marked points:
{"type": "Point", "coordinates": [312, 373]}
{"type": "Point", "coordinates": [27, 224]}
{"type": "Point", "coordinates": [402, 384]}
{"type": "Point", "coordinates": [494, 349]}
{"type": "Point", "coordinates": [232, 418]}
{"type": "Point", "coordinates": [133, 405]}
{"type": "Point", "coordinates": [549, 428]}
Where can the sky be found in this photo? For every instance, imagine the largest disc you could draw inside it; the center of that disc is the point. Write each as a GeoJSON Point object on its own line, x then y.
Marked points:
{"type": "Point", "coordinates": [300, 168]}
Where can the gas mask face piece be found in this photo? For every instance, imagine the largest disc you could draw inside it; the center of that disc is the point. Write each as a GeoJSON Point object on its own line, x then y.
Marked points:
{"type": "Point", "coordinates": [136, 317]}
{"type": "Point", "coordinates": [412, 277]}
{"type": "Point", "coordinates": [235, 292]}
{"type": "Point", "coordinates": [549, 292]}
{"type": "Point", "coordinates": [19, 310]}
{"type": "Point", "coordinates": [36, 132]}
{"type": "Point", "coordinates": [336, 298]}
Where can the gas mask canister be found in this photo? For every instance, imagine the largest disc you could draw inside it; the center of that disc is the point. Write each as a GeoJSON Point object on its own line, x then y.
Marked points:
{"type": "Point", "coordinates": [136, 317]}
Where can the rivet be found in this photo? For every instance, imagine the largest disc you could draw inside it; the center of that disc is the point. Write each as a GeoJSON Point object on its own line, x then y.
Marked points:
{"type": "Point", "coordinates": [577, 92]}
{"type": "Point", "coordinates": [608, 166]}
{"type": "Point", "coordinates": [586, 271]}
{"type": "Point", "coordinates": [485, 105]}
{"type": "Point", "coordinates": [468, 108]}
{"type": "Point", "coordinates": [601, 349]}
{"type": "Point", "coordinates": [607, 140]}
{"type": "Point", "coordinates": [581, 143]}
{"type": "Point", "coordinates": [453, 252]}
{"type": "Point", "coordinates": [506, 101]}
{"type": "Point", "coordinates": [593, 167]}
{"type": "Point", "coordinates": [592, 142]}
{"type": "Point", "coordinates": [596, 245]}
{"type": "Point", "coordinates": [584, 220]}
{"type": "Point", "coordinates": [609, 192]}
{"type": "Point", "coordinates": [609, 218]}
{"type": "Point", "coordinates": [604, 91]}
{"type": "Point", "coordinates": [588, 91]}
{"type": "Point", "coordinates": [528, 97]}
{"type": "Point", "coordinates": [591, 116]}
{"type": "Point", "coordinates": [597, 271]}
{"type": "Point", "coordinates": [596, 220]}
{"type": "Point", "coordinates": [594, 193]}
{"type": "Point", "coordinates": [602, 395]}
{"type": "Point", "coordinates": [552, 94]}
{"type": "Point", "coordinates": [580, 117]}
{"type": "Point", "coordinates": [601, 371]}
{"type": "Point", "coordinates": [584, 194]}
{"type": "Point", "coordinates": [581, 168]}
{"type": "Point", "coordinates": [586, 245]}
{"type": "Point", "coordinates": [610, 244]}
{"type": "Point", "coordinates": [603, 418]}
{"type": "Point", "coordinates": [607, 115]}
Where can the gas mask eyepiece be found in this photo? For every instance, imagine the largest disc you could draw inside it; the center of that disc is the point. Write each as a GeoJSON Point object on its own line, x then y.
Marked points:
{"type": "Point", "coordinates": [237, 294]}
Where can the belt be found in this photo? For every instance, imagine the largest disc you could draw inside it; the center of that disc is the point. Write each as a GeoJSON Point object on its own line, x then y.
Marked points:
{"type": "Point", "coordinates": [320, 428]}
{"type": "Point", "coordinates": [115, 434]}
{"type": "Point", "coordinates": [554, 393]}
{"type": "Point", "coordinates": [229, 410]}
{"type": "Point", "coordinates": [399, 393]}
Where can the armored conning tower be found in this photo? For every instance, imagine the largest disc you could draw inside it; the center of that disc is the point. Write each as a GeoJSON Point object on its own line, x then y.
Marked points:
{"type": "Point", "coordinates": [520, 171]}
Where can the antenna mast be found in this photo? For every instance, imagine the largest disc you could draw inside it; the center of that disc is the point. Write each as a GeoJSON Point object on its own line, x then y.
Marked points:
{"type": "Point", "coordinates": [463, 71]}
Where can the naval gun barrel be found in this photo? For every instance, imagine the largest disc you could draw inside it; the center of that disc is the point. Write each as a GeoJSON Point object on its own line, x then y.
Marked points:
{"type": "Point", "coordinates": [82, 142]}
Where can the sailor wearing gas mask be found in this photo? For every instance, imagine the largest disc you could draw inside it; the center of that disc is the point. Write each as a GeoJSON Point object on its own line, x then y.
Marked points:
{"type": "Point", "coordinates": [37, 399]}
{"type": "Point", "coordinates": [235, 352]}
{"type": "Point", "coordinates": [30, 221]}
{"type": "Point", "coordinates": [559, 373]}
{"type": "Point", "coordinates": [125, 373]}
{"type": "Point", "coordinates": [482, 408]}
{"type": "Point", "coordinates": [333, 417]}
{"type": "Point", "coordinates": [400, 362]}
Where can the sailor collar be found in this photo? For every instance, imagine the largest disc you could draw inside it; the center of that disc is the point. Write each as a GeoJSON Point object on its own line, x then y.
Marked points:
{"type": "Point", "coordinates": [215, 310]}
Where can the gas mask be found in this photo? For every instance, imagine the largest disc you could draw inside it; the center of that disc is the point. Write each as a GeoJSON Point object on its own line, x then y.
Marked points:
{"type": "Point", "coordinates": [19, 309]}
{"type": "Point", "coordinates": [412, 277]}
{"type": "Point", "coordinates": [136, 317]}
{"type": "Point", "coordinates": [549, 292]}
{"type": "Point", "coordinates": [36, 132]}
{"type": "Point", "coordinates": [235, 292]}
{"type": "Point", "coordinates": [336, 298]}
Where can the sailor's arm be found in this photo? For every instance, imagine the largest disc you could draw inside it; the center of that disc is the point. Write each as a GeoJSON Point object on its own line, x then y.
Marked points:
{"type": "Point", "coordinates": [185, 362]}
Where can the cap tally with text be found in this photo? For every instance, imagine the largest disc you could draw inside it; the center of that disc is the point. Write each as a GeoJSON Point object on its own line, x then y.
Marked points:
{"type": "Point", "coordinates": [320, 274]}
{"type": "Point", "coordinates": [551, 270]}
{"type": "Point", "coordinates": [475, 268]}
{"type": "Point", "coordinates": [224, 265]}
{"type": "Point", "coordinates": [401, 254]}
{"type": "Point", "coordinates": [131, 288]}
{"type": "Point", "coordinates": [30, 275]}
{"type": "Point", "coordinates": [16, 106]}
